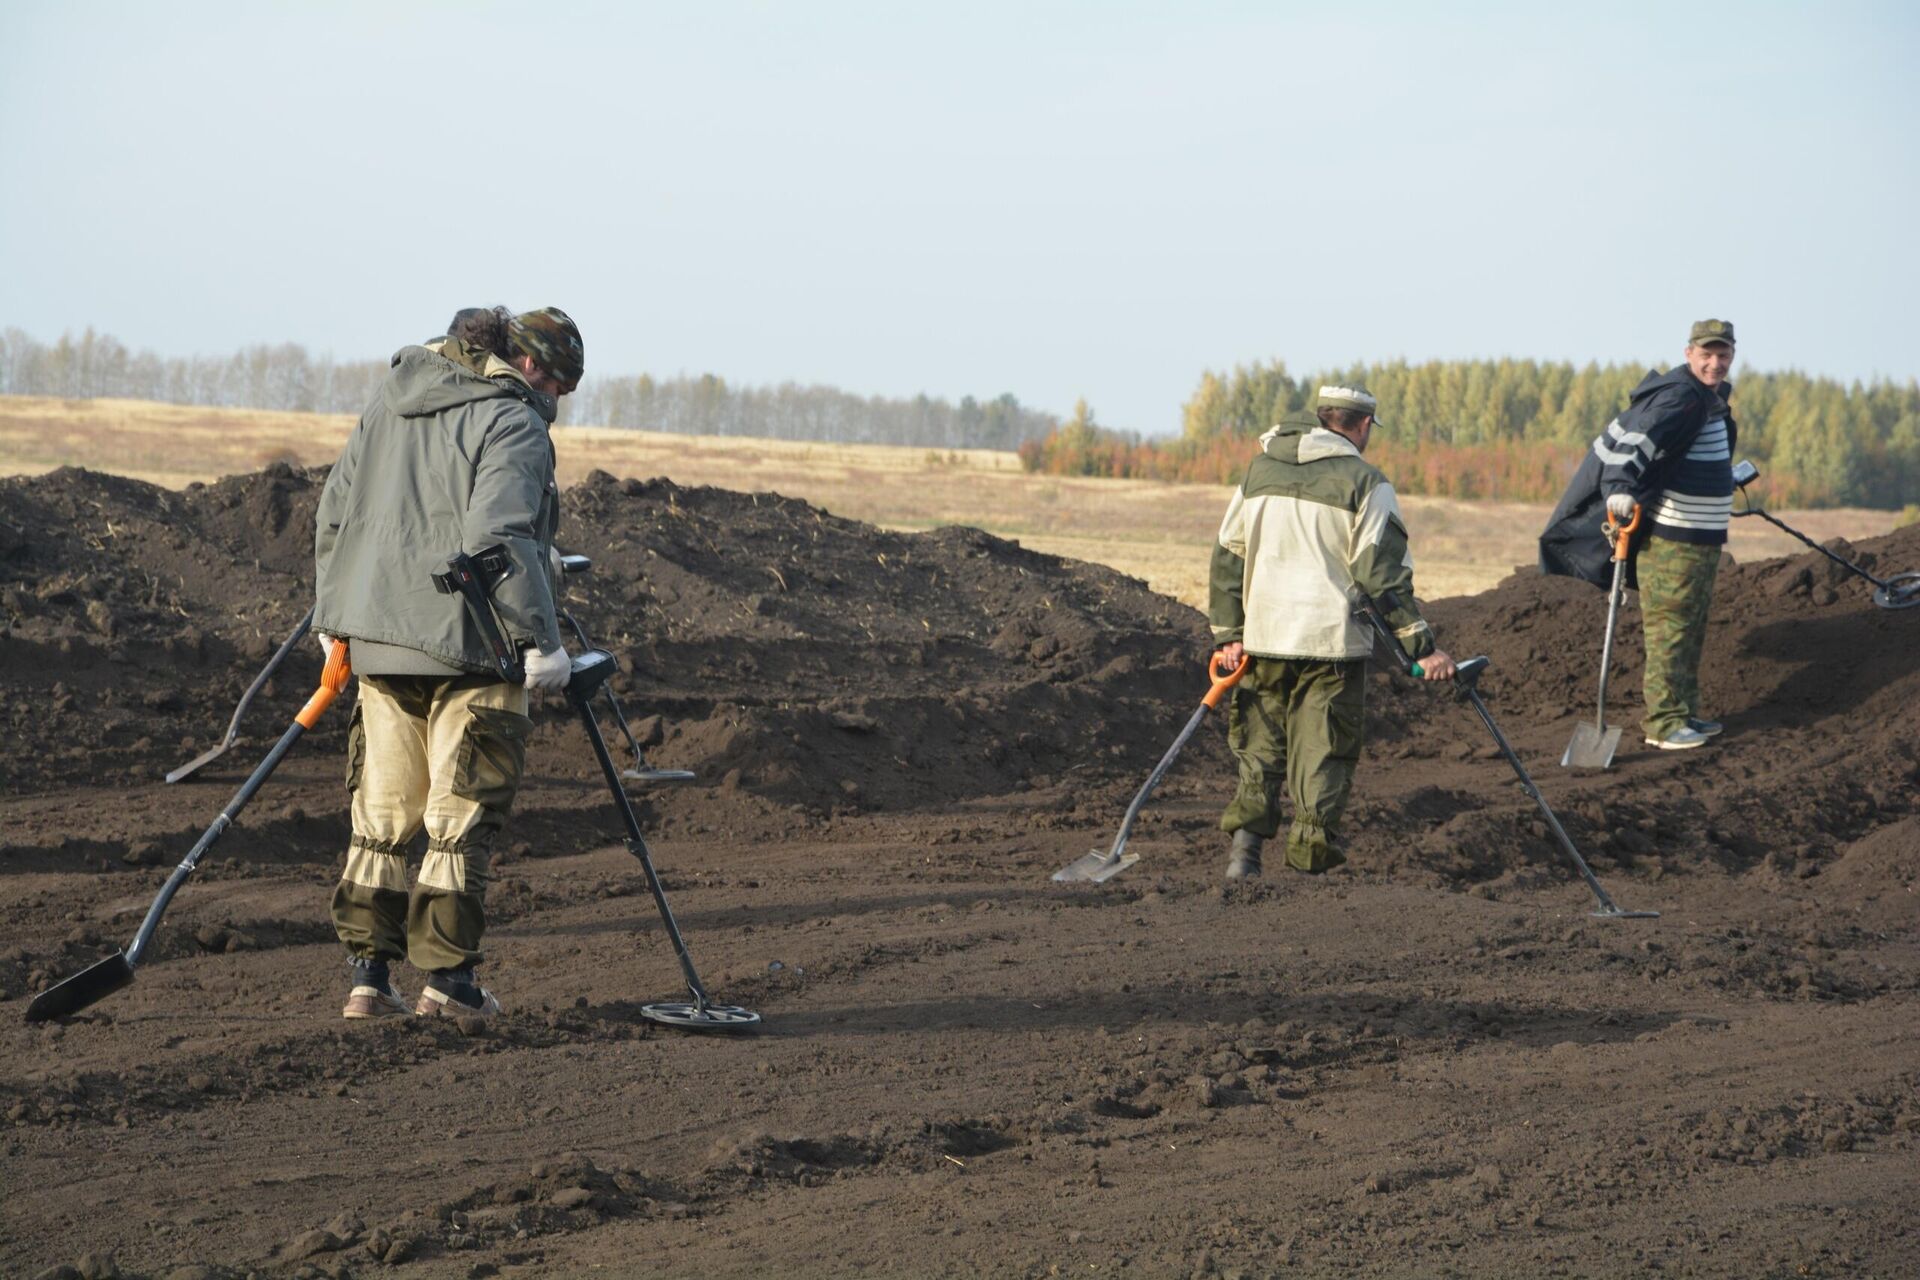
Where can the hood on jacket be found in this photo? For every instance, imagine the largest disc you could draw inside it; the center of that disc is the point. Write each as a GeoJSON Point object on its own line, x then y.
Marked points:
{"type": "Point", "coordinates": [1678, 376]}
{"type": "Point", "coordinates": [424, 382]}
{"type": "Point", "coordinates": [1299, 437]}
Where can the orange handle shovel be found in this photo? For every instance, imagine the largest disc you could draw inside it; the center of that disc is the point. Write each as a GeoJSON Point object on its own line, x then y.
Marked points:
{"type": "Point", "coordinates": [1224, 679]}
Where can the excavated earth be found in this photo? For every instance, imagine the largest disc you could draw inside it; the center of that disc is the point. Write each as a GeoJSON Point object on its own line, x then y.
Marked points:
{"type": "Point", "coordinates": [1433, 1062]}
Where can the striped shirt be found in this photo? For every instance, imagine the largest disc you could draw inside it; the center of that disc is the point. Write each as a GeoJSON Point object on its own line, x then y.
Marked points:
{"type": "Point", "coordinates": [1698, 499]}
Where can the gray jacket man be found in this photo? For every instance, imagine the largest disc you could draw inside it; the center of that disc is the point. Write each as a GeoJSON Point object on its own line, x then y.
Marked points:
{"type": "Point", "coordinates": [451, 455]}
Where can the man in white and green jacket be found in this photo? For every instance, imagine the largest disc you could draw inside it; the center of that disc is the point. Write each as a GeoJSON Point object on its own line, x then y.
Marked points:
{"type": "Point", "coordinates": [1310, 521]}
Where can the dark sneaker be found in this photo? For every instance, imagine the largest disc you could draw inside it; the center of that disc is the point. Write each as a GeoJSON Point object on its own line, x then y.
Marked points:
{"type": "Point", "coordinates": [375, 1002]}
{"type": "Point", "coordinates": [1244, 862]}
{"type": "Point", "coordinates": [1705, 728]}
{"type": "Point", "coordinates": [435, 1001]}
{"type": "Point", "coordinates": [1684, 738]}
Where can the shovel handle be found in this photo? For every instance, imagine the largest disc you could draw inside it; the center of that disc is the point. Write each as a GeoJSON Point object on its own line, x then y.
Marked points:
{"type": "Point", "coordinates": [1621, 534]}
{"type": "Point", "coordinates": [1223, 679]}
{"type": "Point", "coordinates": [333, 682]}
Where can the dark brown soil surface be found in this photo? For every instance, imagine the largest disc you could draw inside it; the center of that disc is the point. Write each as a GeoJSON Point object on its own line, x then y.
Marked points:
{"type": "Point", "coordinates": [1433, 1062]}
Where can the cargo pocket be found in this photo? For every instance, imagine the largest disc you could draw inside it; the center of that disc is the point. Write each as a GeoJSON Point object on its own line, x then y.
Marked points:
{"type": "Point", "coordinates": [356, 747]}
{"type": "Point", "coordinates": [1347, 712]}
{"type": "Point", "coordinates": [492, 754]}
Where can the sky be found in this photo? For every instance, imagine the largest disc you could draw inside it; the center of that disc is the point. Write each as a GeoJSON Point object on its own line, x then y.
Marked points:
{"type": "Point", "coordinates": [1057, 200]}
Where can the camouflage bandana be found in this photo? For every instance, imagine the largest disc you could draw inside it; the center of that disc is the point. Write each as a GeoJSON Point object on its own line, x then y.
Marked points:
{"type": "Point", "coordinates": [552, 339]}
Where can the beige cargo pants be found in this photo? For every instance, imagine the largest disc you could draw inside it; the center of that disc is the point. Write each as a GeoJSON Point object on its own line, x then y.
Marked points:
{"type": "Point", "coordinates": [445, 753]}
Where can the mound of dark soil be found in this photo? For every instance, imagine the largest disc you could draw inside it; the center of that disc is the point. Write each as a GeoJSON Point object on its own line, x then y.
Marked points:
{"type": "Point", "coordinates": [807, 659]}
{"type": "Point", "coordinates": [1817, 686]}
{"type": "Point", "coordinates": [805, 664]}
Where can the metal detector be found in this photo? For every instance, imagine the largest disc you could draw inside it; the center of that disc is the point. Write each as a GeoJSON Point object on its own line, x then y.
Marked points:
{"type": "Point", "coordinates": [104, 977]}
{"type": "Point", "coordinates": [472, 579]}
{"type": "Point", "coordinates": [1465, 682]}
{"type": "Point", "coordinates": [213, 753]}
{"type": "Point", "coordinates": [641, 770]}
{"type": "Point", "coordinates": [1901, 591]}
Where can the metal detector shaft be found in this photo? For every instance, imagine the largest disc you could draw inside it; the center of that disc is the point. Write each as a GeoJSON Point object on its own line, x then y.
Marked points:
{"type": "Point", "coordinates": [1781, 524]}
{"type": "Point", "coordinates": [1465, 684]}
{"type": "Point", "coordinates": [637, 843]}
{"type": "Point", "coordinates": [246, 700]}
{"type": "Point", "coordinates": [1607, 907]}
{"type": "Point", "coordinates": [613, 703]}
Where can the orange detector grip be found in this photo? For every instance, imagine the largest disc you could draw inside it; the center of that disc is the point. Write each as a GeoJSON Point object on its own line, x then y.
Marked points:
{"type": "Point", "coordinates": [1621, 534]}
{"type": "Point", "coordinates": [333, 682]}
{"type": "Point", "coordinates": [1223, 679]}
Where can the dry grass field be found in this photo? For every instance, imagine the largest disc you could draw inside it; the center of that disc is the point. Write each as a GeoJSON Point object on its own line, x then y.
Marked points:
{"type": "Point", "coordinates": [1158, 532]}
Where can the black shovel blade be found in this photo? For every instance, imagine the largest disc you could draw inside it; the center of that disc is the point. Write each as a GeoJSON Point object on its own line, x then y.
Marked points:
{"type": "Point", "coordinates": [89, 986]}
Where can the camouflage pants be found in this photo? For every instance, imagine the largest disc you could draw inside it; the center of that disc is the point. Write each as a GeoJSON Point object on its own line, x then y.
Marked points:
{"type": "Point", "coordinates": [445, 754]}
{"type": "Point", "coordinates": [1676, 586]}
{"type": "Point", "coordinates": [1299, 721]}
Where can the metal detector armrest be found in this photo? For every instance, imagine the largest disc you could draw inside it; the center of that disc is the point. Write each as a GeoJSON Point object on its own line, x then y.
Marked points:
{"type": "Point", "coordinates": [591, 671]}
{"type": "Point", "coordinates": [1367, 607]}
{"type": "Point", "coordinates": [472, 577]}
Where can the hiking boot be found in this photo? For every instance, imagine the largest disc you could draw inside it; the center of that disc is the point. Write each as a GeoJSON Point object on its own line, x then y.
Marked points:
{"type": "Point", "coordinates": [450, 1004]}
{"type": "Point", "coordinates": [1244, 862]}
{"type": "Point", "coordinates": [369, 1001]}
{"type": "Point", "coordinates": [1705, 728]}
{"type": "Point", "coordinates": [1681, 739]}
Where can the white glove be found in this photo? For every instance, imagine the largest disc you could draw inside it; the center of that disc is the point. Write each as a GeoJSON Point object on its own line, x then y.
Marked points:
{"type": "Point", "coordinates": [548, 670]}
{"type": "Point", "coordinates": [326, 643]}
{"type": "Point", "coordinates": [553, 562]}
{"type": "Point", "coordinates": [1620, 506]}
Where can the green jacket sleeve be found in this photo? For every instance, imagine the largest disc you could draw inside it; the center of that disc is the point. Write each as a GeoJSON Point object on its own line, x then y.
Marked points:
{"type": "Point", "coordinates": [1226, 586]}
{"type": "Point", "coordinates": [510, 479]}
{"type": "Point", "coordinates": [1382, 565]}
{"type": "Point", "coordinates": [333, 506]}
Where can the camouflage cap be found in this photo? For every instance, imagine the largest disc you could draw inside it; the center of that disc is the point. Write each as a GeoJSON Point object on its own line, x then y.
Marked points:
{"type": "Point", "coordinates": [1355, 397]}
{"type": "Point", "coordinates": [552, 339]}
{"type": "Point", "coordinates": [1705, 332]}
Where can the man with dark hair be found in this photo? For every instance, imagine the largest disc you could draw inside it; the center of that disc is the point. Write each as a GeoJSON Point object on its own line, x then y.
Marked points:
{"type": "Point", "coordinates": [451, 455]}
{"type": "Point", "coordinates": [1669, 453]}
{"type": "Point", "coordinates": [1311, 521]}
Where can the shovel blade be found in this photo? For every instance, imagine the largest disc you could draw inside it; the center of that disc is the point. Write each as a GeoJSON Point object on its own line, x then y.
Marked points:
{"type": "Point", "coordinates": [1096, 867]}
{"type": "Point", "coordinates": [199, 762]}
{"type": "Point", "coordinates": [1591, 747]}
{"type": "Point", "coordinates": [89, 986]}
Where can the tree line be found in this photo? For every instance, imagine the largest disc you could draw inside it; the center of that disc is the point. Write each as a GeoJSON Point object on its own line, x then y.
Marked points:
{"type": "Point", "coordinates": [286, 377]}
{"type": "Point", "coordinates": [1515, 429]}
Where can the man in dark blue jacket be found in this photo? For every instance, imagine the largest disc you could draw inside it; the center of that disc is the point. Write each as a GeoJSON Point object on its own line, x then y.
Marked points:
{"type": "Point", "coordinates": [1670, 452]}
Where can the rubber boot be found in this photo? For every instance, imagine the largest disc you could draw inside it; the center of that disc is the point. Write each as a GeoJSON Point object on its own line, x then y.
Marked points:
{"type": "Point", "coordinates": [1244, 864]}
